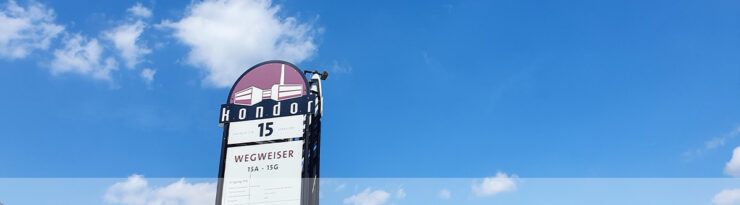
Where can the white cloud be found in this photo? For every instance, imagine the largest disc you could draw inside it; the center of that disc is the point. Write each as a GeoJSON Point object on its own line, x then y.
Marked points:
{"type": "Point", "coordinates": [26, 29]}
{"type": "Point", "coordinates": [139, 10]}
{"type": "Point", "coordinates": [712, 144]}
{"type": "Point", "coordinates": [124, 38]}
{"type": "Point", "coordinates": [136, 191]}
{"type": "Point", "coordinates": [444, 194]}
{"type": "Point", "coordinates": [727, 197]}
{"type": "Point", "coordinates": [343, 67]}
{"type": "Point", "coordinates": [148, 75]}
{"type": "Point", "coordinates": [400, 193]}
{"type": "Point", "coordinates": [494, 185]}
{"type": "Point", "coordinates": [368, 197]}
{"type": "Point", "coordinates": [732, 167]}
{"type": "Point", "coordinates": [88, 56]}
{"type": "Point", "coordinates": [83, 56]}
{"type": "Point", "coordinates": [340, 187]}
{"type": "Point", "coordinates": [228, 36]}
{"type": "Point", "coordinates": [716, 142]}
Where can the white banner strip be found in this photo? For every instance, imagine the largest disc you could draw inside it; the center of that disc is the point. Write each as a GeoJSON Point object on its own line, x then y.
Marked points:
{"type": "Point", "coordinates": [266, 129]}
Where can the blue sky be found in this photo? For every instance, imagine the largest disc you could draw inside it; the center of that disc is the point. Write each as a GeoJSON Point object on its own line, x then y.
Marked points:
{"type": "Point", "coordinates": [577, 90]}
{"type": "Point", "coordinates": [537, 88]}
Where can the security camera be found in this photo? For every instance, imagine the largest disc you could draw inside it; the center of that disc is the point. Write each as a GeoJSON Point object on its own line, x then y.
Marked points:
{"type": "Point", "coordinates": [323, 75]}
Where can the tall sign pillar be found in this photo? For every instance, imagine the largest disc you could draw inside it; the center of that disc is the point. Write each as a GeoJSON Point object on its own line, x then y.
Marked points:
{"type": "Point", "coordinates": [271, 140]}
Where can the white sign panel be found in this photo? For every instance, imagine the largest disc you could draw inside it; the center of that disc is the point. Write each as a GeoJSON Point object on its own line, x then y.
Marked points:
{"type": "Point", "coordinates": [266, 129]}
{"type": "Point", "coordinates": [263, 174]}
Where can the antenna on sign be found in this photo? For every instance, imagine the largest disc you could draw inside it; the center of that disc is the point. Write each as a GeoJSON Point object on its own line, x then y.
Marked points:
{"type": "Point", "coordinates": [282, 75]}
{"type": "Point", "coordinates": [315, 87]}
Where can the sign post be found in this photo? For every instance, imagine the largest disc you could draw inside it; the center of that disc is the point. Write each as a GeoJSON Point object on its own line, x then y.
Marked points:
{"type": "Point", "coordinates": [271, 141]}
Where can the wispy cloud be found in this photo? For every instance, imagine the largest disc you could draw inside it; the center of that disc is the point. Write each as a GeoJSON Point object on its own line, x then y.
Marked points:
{"type": "Point", "coordinates": [126, 39]}
{"type": "Point", "coordinates": [29, 28]}
{"type": "Point", "coordinates": [340, 187]}
{"type": "Point", "coordinates": [714, 143]}
{"type": "Point", "coordinates": [494, 185]}
{"type": "Point", "coordinates": [368, 197]}
{"type": "Point", "coordinates": [400, 194]}
{"type": "Point", "coordinates": [83, 56]}
{"type": "Point", "coordinates": [139, 10]}
{"type": "Point", "coordinates": [136, 191]}
{"type": "Point", "coordinates": [227, 36]}
{"type": "Point", "coordinates": [148, 75]}
{"type": "Point", "coordinates": [431, 63]}
{"type": "Point", "coordinates": [340, 67]}
{"type": "Point", "coordinates": [444, 194]}
{"type": "Point", "coordinates": [25, 29]}
{"type": "Point", "coordinates": [727, 197]}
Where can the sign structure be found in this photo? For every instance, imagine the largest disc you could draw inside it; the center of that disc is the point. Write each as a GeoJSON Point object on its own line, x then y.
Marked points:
{"type": "Point", "coordinates": [270, 144]}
